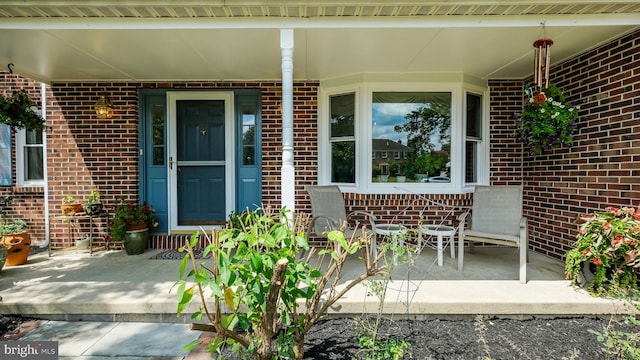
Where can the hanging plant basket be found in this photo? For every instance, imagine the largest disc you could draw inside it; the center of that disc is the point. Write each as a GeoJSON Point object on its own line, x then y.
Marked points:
{"type": "Point", "coordinates": [20, 112]}
{"type": "Point", "coordinates": [547, 122]}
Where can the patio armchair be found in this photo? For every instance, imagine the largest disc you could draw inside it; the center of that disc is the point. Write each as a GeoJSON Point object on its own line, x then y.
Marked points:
{"type": "Point", "coordinates": [328, 213]}
{"type": "Point", "coordinates": [496, 218]}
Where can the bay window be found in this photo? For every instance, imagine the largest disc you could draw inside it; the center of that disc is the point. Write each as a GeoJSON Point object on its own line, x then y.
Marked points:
{"type": "Point", "coordinates": [404, 137]}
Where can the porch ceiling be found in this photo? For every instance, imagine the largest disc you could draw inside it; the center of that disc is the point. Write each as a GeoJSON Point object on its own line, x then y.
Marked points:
{"type": "Point", "coordinates": [239, 40]}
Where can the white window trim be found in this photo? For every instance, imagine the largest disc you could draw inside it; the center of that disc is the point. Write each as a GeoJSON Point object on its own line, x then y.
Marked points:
{"type": "Point", "coordinates": [21, 140]}
{"type": "Point", "coordinates": [363, 130]}
{"type": "Point", "coordinates": [483, 143]}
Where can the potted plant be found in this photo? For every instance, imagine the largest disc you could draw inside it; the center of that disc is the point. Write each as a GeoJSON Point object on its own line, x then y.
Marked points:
{"type": "Point", "coordinates": [130, 224]}
{"type": "Point", "coordinates": [70, 206]}
{"type": "Point", "coordinates": [93, 206]}
{"type": "Point", "coordinates": [83, 242]}
{"type": "Point", "coordinates": [606, 253]}
{"type": "Point", "coordinates": [19, 111]}
{"type": "Point", "coordinates": [547, 122]}
{"type": "Point", "coordinates": [14, 237]}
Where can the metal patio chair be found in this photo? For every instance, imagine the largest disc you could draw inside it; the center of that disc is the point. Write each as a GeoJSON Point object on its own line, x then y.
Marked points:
{"type": "Point", "coordinates": [496, 218]}
{"type": "Point", "coordinates": [328, 213]}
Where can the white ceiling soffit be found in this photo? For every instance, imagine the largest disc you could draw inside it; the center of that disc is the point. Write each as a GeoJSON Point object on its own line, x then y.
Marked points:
{"type": "Point", "coordinates": [239, 40]}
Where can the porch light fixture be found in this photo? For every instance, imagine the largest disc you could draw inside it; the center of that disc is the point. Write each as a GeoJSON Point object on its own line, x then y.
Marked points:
{"type": "Point", "coordinates": [103, 107]}
{"type": "Point", "coordinates": [542, 59]}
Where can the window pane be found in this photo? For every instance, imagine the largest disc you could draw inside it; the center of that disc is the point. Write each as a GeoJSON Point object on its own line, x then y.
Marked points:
{"type": "Point", "coordinates": [158, 155]}
{"type": "Point", "coordinates": [470, 168]}
{"type": "Point", "coordinates": [416, 125]}
{"type": "Point", "coordinates": [248, 135]}
{"type": "Point", "coordinates": [474, 115]}
{"type": "Point", "coordinates": [33, 137]}
{"type": "Point", "coordinates": [34, 163]}
{"type": "Point", "coordinates": [248, 157]}
{"type": "Point", "coordinates": [343, 162]}
{"type": "Point", "coordinates": [342, 115]}
{"type": "Point", "coordinates": [157, 113]}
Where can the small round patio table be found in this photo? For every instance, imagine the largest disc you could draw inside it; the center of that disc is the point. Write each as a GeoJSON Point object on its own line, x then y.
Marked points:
{"type": "Point", "coordinates": [394, 232]}
{"type": "Point", "coordinates": [439, 231]}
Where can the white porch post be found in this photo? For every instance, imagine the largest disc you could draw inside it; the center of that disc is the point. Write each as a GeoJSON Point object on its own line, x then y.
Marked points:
{"type": "Point", "coordinates": [287, 181]}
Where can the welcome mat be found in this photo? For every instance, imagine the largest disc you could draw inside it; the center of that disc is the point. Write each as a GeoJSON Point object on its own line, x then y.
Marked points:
{"type": "Point", "coordinates": [174, 254]}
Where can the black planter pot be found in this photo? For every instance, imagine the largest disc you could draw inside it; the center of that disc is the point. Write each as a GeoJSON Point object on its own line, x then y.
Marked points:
{"type": "Point", "coordinates": [135, 242]}
{"type": "Point", "coordinates": [93, 209]}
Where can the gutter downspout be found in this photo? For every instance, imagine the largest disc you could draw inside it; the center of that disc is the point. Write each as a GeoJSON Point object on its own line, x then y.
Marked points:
{"type": "Point", "coordinates": [287, 180]}
{"type": "Point", "coordinates": [45, 172]}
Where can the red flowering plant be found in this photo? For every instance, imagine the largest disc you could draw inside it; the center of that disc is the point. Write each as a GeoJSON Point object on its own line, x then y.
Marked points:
{"type": "Point", "coordinates": [128, 216]}
{"type": "Point", "coordinates": [607, 247]}
{"type": "Point", "coordinates": [547, 121]}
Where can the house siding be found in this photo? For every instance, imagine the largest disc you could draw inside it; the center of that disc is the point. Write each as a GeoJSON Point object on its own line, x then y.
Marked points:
{"type": "Point", "coordinates": [598, 170]}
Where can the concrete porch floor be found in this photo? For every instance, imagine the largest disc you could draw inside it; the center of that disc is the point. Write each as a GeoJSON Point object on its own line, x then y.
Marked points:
{"type": "Point", "coordinates": [113, 286]}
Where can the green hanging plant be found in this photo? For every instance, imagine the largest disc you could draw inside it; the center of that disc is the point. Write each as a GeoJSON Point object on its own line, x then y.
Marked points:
{"type": "Point", "coordinates": [19, 111]}
{"type": "Point", "coordinates": [547, 122]}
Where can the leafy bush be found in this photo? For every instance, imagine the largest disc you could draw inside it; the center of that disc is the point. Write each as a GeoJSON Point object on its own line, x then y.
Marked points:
{"type": "Point", "coordinates": [17, 111]}
{"type": "Point", "coordinates": [609, 241]}
{"type": "Point", "coordinates": [260, 279]}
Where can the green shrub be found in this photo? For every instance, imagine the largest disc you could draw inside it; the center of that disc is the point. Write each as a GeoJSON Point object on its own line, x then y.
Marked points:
{"type": "Point", "coordinates": [259, 280]}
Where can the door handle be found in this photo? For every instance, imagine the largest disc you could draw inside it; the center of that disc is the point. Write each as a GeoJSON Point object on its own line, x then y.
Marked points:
{"type": "Point", "coordinates": [171, 162]}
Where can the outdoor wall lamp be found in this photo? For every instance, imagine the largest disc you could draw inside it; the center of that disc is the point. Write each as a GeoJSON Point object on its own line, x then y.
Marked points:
{"type": "Point", "coordinates": [103, 107]}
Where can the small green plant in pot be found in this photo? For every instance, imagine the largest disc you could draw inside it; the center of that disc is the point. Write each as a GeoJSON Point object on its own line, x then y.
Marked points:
{"type": "Point", "coordinates": [94, 205]}
{"type": "Point", "coordinates": [70, 206]}
{"type": "Point", "coordinates": [607, 247]}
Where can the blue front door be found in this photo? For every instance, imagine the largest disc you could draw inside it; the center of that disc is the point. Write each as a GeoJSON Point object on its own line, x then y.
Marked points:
{"type": "Point", "coordinates": [200, 155]}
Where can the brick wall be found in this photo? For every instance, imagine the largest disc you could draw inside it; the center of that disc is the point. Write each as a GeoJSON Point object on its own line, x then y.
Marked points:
{"type": "Point", "coordinates": [87, 153]}
{"type": "Point", "coordinates": [601, 168]}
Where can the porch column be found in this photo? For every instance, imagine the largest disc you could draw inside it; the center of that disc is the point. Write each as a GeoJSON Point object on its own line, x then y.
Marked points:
{"type": "Point", "coordinates": [287, 180]}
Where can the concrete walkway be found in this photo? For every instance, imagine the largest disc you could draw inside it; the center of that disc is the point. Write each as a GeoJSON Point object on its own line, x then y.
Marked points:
{"type": "Point", "coordinates": [84, 340]}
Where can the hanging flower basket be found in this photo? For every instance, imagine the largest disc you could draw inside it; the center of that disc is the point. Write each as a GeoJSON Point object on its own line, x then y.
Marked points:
{"type": "Point", "coordinates": [547, 122]}
{"type": "Point", "coordinates": [19, 111]}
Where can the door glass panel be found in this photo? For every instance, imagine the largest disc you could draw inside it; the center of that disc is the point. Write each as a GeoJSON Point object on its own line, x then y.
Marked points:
{"type": "Point", "coordinates": [157, 113]}
{"type": "Point", "coordinates": [248, 134]}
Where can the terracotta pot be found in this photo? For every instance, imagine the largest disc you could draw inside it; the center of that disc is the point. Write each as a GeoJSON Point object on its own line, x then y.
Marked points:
{"type": "Point", "coordinates": [138, 227]}
{"type": "Point", "coordinates": [71, 209]}
{"type": "Point", "coordinates": [135, 242]}
{"type": "Point", "coordinates": [3, 256]}
{"type": "Point", "coordinates": [18, 248]}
